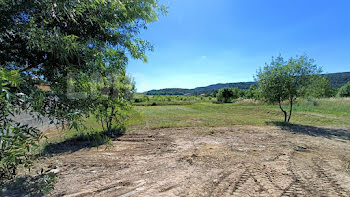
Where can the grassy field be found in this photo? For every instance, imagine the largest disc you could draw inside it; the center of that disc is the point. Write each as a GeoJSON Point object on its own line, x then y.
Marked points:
{"type": "Point", "coordinates": [318, 113]}
{"type": "Point", "coordinates": [324, 112]}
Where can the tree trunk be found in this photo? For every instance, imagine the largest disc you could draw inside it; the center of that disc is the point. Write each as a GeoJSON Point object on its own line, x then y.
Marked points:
{"type": "Point", "coordinates": [290, 109]}
{"type": "Point", "coordinates": [284, 112]}
{"type": "Point", "coordinates": [103, 126]}
{"type": "Point", "coordinates": [110, 120]}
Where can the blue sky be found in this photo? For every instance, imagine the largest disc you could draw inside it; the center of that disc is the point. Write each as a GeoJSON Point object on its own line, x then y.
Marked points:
{"type": "Point", "coordinates": [203, 42]}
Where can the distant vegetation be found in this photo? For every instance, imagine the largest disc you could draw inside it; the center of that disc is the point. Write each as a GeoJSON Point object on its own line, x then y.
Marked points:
{"type": "Point", "coordinates": [336, 80]}
{"type": "Point", "coordinates": [344, 91]}
{"type": "Point", "coordinates": [155, 100]}
{"type": "Point", "coordinates": [208, 90]}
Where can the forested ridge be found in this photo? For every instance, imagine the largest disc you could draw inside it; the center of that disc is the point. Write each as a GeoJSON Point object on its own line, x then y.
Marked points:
{"type": "Point", "coordinates": [336, 80]}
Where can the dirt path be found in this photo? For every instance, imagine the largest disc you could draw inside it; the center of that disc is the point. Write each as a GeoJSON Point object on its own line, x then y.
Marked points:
{"type": "Point", "coordinates": [235, 161]}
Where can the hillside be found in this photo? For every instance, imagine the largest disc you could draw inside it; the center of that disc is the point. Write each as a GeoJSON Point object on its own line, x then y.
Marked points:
{"type": "Point", "coordinates": [336, 79]}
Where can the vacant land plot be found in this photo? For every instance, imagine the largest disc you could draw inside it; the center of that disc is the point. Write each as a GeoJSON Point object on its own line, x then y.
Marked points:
{"type": "Point", "coordinates": [207, 149]}
{"type": "Point", "coordinates": [202, 161]}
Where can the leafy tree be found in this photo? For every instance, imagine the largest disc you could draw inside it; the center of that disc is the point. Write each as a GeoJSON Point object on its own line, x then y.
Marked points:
{"type": "Point", "coordinates": [282, 80]}
{"type": "Point", "coordinates": [344, 91]}
{"type": "Point", "coordinates": [64, 44]}
{"type": "Point", "coordinates": [319, 87]}
{"type": "Point", "coordinates": [227, 94]}
{"type": "Point", "coordinates": [252, 93]}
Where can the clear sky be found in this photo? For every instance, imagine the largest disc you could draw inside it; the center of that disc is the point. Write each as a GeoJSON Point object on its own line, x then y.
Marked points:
{"type": "Point", "coordinates": [203, 42]}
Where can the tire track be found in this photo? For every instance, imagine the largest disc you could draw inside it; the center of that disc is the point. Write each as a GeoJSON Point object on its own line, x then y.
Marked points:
{"type": "Point", "coordinates": [296, 187]}
{"type": "Point", "coordinates": [227, 185]}
{"type": "Point", "coordinates": [327, 178]}
{"type": "Point", "coordinates": [236, 182]}
{"type": "Point", "coordinates": [312, 178]}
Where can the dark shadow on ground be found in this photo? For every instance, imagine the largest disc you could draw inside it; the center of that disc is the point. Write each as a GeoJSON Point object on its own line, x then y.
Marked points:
{"type": "Point", "coordinates": [39, 185]}
{"type": "Point", "coordinates": [313, 131]}
{"type": "Point", "coordinates": [80, 142]}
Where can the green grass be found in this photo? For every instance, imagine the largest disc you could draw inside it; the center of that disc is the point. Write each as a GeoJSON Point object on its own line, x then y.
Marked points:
{"type": "Point", "coordinates": [318, 113]}
{"type": "Point", "coordinates": [333, 106]}
{"type": "Point", "coordinates": [327, 112]}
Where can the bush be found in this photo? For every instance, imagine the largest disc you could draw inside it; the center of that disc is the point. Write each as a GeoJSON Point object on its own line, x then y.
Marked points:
{"type": "Point", "coordinates": [226, 95]}
{"type": "Point", "coordinates": [137, 100]}
{"type": "Point", "coordinates": [344, 91]}
{"type": "Point", "coordinates": [311, 101]}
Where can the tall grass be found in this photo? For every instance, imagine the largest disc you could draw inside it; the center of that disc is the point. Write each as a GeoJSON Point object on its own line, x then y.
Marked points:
{"type": "Point", "coordinates": [331, 106]}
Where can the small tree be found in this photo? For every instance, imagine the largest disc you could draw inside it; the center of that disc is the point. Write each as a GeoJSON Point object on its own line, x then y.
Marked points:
{"type": "Point", "coordinates": [344, 91]}
{"type": "Point", "coordinates": [282, 80]}
{"type": "Point", "coordinates": [113, 100]}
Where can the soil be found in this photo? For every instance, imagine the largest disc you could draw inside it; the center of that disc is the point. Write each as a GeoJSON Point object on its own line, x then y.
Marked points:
{"type": "Point", "coordinates": [220, 161]}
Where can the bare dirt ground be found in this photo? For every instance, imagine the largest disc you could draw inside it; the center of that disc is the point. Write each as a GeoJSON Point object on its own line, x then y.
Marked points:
{"type": "Point", "coordinates": [222, 161]}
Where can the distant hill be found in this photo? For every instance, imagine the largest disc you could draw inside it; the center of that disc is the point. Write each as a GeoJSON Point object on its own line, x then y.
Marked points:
{"type": "Point", "coordinates": [336, 79]}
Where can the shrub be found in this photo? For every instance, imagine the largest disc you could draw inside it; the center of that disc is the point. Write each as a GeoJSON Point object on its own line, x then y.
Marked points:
{"type": "Point", "coordinates": [252, 93]}
{"type": "Point", "coordinates": [344, 91]}
{"type": "Point", "coordinates": [137, 100]}
{"type": "Point", "coordinates": [226, 95]}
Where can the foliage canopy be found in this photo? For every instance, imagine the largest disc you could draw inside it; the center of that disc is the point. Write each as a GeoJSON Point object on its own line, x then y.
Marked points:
{"type": "Point", "coordinates": [63, 44]}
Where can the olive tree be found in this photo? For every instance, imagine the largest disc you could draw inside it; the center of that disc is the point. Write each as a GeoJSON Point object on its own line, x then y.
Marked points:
{"type": "Point", "coordinates": [281, 81]}
{"type": "Point", "coordinates": [61, 43]}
